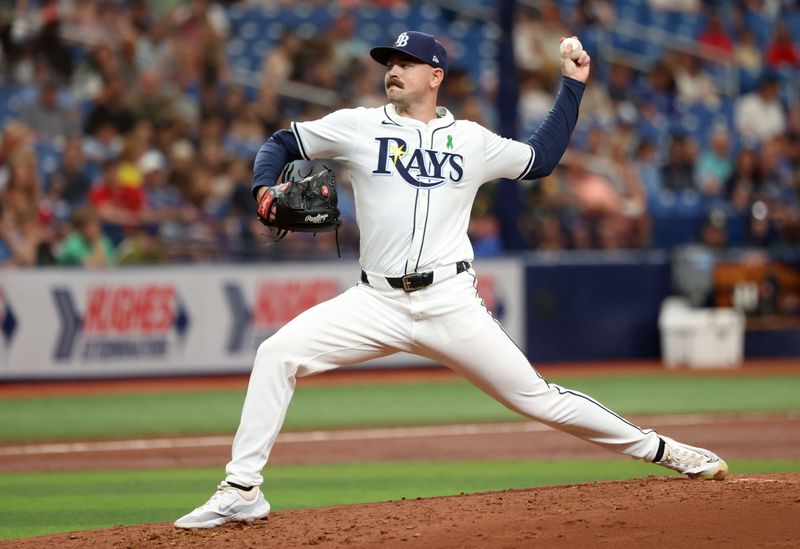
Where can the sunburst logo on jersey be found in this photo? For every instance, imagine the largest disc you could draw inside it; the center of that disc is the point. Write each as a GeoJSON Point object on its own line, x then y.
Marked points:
{"type": "Point", "coordinates": [397, 152]}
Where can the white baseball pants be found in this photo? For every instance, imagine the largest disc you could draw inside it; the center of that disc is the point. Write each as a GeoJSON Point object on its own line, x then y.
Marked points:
{"type": "Point", "coordinates": [445, 322]}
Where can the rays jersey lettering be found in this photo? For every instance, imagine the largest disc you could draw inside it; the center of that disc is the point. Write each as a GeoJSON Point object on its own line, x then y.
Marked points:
{"type": "Point", "coordinates": [413, 183]}
{"type": "Point", "coordinates": [422, 168]}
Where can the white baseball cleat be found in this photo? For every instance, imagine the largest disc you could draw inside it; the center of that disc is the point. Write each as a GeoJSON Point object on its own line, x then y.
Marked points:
{"type": "Point", "coordinates": [228, 504]}
{"type": "Point", "coordinates": [691, 461]}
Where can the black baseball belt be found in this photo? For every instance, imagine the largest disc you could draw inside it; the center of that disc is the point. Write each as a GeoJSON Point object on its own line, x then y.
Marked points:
{"type": "Point", "coordinates": [416, 281]}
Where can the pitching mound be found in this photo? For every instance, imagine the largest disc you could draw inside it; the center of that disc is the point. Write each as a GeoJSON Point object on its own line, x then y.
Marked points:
{"type": "Point", "coordinates": [742, 511]}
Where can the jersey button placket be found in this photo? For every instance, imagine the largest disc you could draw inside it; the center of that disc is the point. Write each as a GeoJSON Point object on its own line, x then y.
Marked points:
{"type": "Point", "coordinates": [416, 243]}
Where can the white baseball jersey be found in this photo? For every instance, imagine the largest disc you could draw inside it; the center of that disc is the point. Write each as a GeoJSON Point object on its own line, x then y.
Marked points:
{"type": "Point", "coordinates": [414, 183]}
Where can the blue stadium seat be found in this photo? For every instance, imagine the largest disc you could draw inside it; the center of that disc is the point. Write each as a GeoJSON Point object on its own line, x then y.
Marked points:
{"type": "Point", "coordinates": [9, 102]}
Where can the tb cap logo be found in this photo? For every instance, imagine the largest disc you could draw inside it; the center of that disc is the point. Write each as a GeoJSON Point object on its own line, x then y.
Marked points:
{"type": "Point", "coordinates": [419, 45]}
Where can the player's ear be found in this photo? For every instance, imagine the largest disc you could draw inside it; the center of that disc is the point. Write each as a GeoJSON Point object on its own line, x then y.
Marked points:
{"type": "Point", "coordinates": [437, 76]}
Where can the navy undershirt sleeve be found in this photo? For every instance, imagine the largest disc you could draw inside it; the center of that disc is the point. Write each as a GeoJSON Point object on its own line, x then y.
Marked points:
{"type": "Point", "coordinates": [551, 138]}
{"type": "Point", "coordinates": [279, 150]}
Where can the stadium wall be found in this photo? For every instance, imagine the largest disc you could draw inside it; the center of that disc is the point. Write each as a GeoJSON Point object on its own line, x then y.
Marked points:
{"type": "Point", "coordinates": [558, 306]}
{"type": "Point", "coordinates": [61, 323]}
{"type": "Point", "coordinates": [595, 305]}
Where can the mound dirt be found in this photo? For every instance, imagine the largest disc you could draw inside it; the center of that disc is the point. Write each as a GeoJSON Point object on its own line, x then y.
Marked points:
{"type": "Point", "coordinates": [742, 511]}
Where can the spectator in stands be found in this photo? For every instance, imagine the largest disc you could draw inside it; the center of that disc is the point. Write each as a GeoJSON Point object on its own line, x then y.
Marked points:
{"type": "Point", "coordinates": [633, 222]}
{"type": "Point", "coordinates": [595, 14]}
{"type": "Point", "coordinates": [677, 174]}
{"type": "Point", "coordinates": [50, 45]}
{"type": "Point", "coordinates": [318, 68]}
{"type": "Point", "coordinates": [21, 238]}
{"type": "Point", "coordinates": [200, 221]}
{"type": "Point", "coordinates": [646, 164]}
{"type": "Point", "coordinates": [154, 48]}
{"type": "Point", "coordinates": [142, 247]}
{"type": "Point", "coordinates": [86, 245]}
{"type": "Point", "coordinates": [693, 83]}
{"type": "Point", "coordinates": [244, 137]}
{"type": "Point", "coordinates": [47, 118]}
{"type": "Point", "coordinates": [715, 167]}
{"type": "Point", "coordinates": [534, 36]}
{"type": "Point", "coordinates": [715, 36]}
{"type": "Point", "coordinates": [14, 138]}
{"type": "Point", "coordinates": [659, 89]}
{"type": "Point", "coordinates": [748, 57]}
{"type": "Point", "coordinates": [484, 228]}
{"type": "Point", "coordinates": [592, 193]}
{"type": "Point", "coordinates": [233, 104]}
{"type": "Point", "coordinates": [535, 101]}
{"type": "Point", "coordinates": [550, 234]}
{"type": "Point", "coordinates": [612, 233]}
{"type": "Point", "coordinates": [777, 186]}
{"type": "Point", "coordinates": [365, 93]}
{"type": "Point", "coordinates": [540, 200]}
{"type": "Point", "coordinates": [102, 145]}
{"type": "Point", "coordinates": [713, 234]}
{"type": "Point", "coordinates": [133, 148]}
{"type": "Point", "coordinates": [108, 108]}
{"type": "Point", "coordinates": [620, 83]}
{"type": "Point", "coordinates": [118, 200]}
{"type": "Point", "coordinates": [458, 91]}
{"type": "Point", "coordinates": [759, 115]}
{"type": "Point", "coordinates": [149, 101]}
{"type": "Point", "coordinates": [761, 232]}
{"type": "Point", "coordinates": [162, 200]}
{"type": "Point", "coordinates": [280, 63]}
{"type": "Point", "coordinates": [70, 183]}
{"type": "Point", "coordinates": [580, 235]}
{"type": "Point", "coordinates": [781, 52]}
{"type": "Point", "coordinates": [23, 194]}
{"type": "Point", "coordinates": [744, 179]}
{"type": "Point", "coordinates": [243, 234]}
{"type": "Point", "coordinates": [349, 46]}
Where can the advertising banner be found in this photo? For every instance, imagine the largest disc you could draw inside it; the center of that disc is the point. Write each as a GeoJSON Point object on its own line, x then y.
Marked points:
{"type": "Point", "coordinates": [198, 319]}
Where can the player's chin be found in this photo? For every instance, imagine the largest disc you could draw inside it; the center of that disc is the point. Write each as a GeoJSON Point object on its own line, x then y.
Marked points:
{"type": "Point", "coordinates": [393, 92]}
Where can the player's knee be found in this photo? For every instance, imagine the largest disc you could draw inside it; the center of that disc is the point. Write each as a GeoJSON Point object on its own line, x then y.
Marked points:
{"type": "Point", "coordinates": [274, 352]}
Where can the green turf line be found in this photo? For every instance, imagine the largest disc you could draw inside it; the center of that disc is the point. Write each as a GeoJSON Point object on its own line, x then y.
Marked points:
{"type": "Point", "coordinates": [320, 407]}
{"type": "Point", "coordinates": [41, 503]}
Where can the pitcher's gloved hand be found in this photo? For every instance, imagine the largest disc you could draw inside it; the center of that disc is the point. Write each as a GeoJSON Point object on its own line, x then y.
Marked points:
{"type": "Point", "coordinates": [305, 205]}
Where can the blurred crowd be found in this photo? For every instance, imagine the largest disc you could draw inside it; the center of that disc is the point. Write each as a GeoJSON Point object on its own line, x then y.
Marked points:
{"type": "Point", "coordinates": [702, 144]}
{"type": "Point", "coordinates": [130, 138]}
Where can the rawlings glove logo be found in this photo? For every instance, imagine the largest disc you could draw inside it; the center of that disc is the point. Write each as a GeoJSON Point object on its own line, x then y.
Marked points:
{"type": "Point", "coordinates": [319, 218]}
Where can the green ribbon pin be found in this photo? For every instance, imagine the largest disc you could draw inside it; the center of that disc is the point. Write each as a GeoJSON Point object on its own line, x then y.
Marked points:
{"type": "Point", "coordinates": [449, 141]}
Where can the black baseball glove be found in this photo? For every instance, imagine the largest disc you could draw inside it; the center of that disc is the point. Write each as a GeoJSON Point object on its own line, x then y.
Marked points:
{"type": "Point", "coordinates": [305, 205]}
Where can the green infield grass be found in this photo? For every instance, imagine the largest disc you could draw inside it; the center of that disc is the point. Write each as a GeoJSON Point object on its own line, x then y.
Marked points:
{"type": "Point", "coordinates": [34, 504]}
{"type": "Point", "coordinates": [380, 404]}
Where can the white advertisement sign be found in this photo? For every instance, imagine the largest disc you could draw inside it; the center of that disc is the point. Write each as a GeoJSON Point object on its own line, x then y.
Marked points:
{"type": "Point", "coordinates": [69, 323]}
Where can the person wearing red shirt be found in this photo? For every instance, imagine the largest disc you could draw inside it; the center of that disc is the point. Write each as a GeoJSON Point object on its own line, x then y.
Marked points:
{"type": "Point", "coordinates": [782, 52]}
{"type": "Point", "coordinates": [716, 36]}
{"type": "Point", "coordinates": [119, 205]}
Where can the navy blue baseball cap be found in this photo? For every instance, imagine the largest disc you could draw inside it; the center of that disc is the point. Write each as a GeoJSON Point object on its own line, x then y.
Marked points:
{"type": "Point", "coordinates": [418, 45]}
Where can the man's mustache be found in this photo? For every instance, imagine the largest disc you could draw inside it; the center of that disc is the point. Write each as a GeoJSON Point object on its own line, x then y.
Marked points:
{"type": "Point", "coordinates": [394, 82]}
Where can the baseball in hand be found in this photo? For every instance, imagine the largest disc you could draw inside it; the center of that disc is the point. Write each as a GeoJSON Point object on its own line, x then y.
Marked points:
{"type": "Point", "coordinates": [577, 48]}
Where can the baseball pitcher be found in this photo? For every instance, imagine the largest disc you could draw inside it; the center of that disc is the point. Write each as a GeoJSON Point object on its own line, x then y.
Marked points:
{"type": "Point", "coordinates": [415, 171]}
